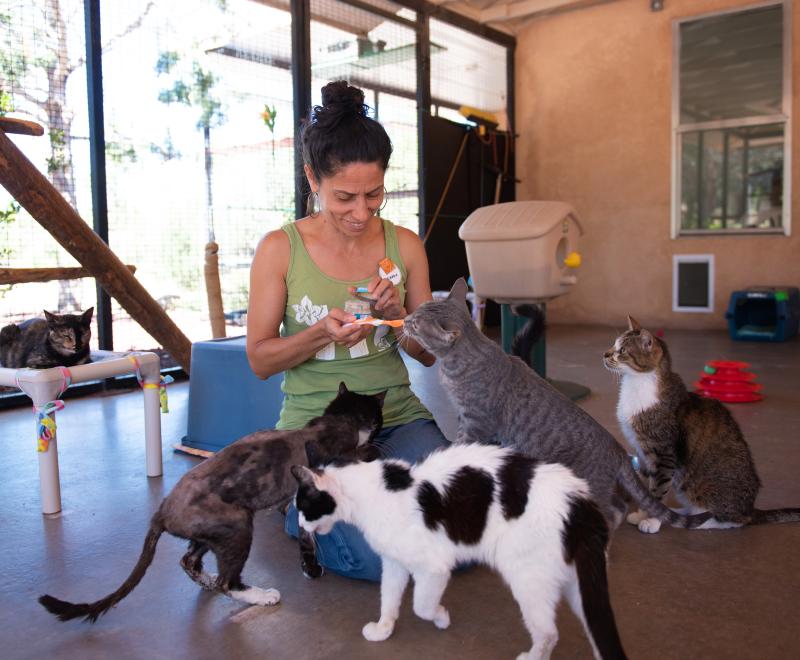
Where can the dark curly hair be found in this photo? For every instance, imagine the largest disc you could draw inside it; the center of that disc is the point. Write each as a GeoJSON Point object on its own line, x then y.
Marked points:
{"type": "Point", "coordinates": [339, 132]}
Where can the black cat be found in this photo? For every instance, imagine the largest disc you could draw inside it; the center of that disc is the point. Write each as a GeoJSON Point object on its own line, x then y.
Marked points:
{"type": "Point", "coordinates": [55, 340]}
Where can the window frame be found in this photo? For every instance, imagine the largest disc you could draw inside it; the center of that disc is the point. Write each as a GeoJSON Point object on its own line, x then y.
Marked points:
{"type": "Point", "coordinates": [785, 117]}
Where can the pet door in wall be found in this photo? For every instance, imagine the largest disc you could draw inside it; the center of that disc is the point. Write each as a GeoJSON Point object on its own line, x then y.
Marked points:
{"type": "Point", "coordinates": [693, 283]}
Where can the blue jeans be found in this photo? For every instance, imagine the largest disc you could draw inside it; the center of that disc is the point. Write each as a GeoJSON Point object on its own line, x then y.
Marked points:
{"type": "Point", "coordinates": [344, 550]}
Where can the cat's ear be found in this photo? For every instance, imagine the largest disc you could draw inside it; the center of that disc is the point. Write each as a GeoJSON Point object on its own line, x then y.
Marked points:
{"type": "Point", "coordinates": [381, 396]}
{"type": "Point", "coordinates": [304, 476]}
{"type": "Point", "coordinates": [633, 324]}
{"type": "Point", "coordinates": [86, 317]}
{"type": "Point", "coordinates": [51, 318]}
{"type": "Point", "coordinates": [459, 291]}
{"type": "Point", "coordinates": [343, 388]}
{"type": "Point", "coordinates": [646, 340]}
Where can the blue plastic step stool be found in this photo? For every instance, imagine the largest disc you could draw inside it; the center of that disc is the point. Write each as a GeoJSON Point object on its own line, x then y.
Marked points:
{"type": "Point", "coordinates": [764, 313]}
{"type": "Point", "coordinates": [226, 400]}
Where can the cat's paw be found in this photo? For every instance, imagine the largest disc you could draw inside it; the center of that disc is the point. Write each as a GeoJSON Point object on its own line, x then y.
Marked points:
{"type": "Point", "coordinates": [257, 596]}
{"type": "Point", "coordinates": [650, 525]}
{"type": "Point", "coordinates": [312, 570]}
{"type": "Point", "coordinates": [377, 631]}
{"type": "Point", "coordinates": [442, 618]}
{"type": "Point", "coordinates": [635, 517]}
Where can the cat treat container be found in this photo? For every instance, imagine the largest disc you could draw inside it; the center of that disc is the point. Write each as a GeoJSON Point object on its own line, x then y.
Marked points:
{"type": "Point", "coordinates": [522, 252]}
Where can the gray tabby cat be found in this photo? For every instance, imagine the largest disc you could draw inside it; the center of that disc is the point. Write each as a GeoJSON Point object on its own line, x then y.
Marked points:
{"type": "Point", "coordinates": [212, 506]}
{"type": "Point", "coordinates": [500, 399]}
{"type": "Point", "coordinates": [55, 340]}
{"type": "Point", "coordinates": [683, 440]}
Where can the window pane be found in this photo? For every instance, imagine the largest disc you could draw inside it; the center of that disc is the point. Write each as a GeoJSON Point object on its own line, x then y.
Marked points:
{"type": "Point", "coordinates": [199, 140]}
{"type": "Point", "coordinates": [379, 56]}
{"type": "Point", "coordinates": [732, 178]}
{"type": "Point", "coordinates": [731, 66]}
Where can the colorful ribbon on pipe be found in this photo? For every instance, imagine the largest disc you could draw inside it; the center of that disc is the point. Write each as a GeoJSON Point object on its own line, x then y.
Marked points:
{"type": "Point", "coordinates": [163, 381]}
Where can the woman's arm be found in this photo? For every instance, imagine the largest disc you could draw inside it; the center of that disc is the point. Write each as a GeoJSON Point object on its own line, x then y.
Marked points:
{"type": "Point", "coordinates": [267, 352]}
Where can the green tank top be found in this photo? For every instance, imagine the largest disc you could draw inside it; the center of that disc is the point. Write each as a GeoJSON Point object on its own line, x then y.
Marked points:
{"type": "Point", "coordinates": [370, 367]}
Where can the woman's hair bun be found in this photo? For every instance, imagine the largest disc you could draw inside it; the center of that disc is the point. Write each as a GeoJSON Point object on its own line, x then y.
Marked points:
{"type": "Point", "coordinates": [339, 100]}
{"type": "Point", "coordinates": [340, 131]}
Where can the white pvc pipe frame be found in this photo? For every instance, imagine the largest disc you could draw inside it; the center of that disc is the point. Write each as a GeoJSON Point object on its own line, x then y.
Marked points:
{"type": "Point", "coordinates": [44, 385]}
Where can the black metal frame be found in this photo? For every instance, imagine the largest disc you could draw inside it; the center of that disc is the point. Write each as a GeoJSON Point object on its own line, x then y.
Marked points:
{"type": "Point", "coordinates": [97, 154]}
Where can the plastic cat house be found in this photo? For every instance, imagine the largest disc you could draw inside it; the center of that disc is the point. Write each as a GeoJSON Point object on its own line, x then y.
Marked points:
{"type": "Point", "coordinates": [522, 252]}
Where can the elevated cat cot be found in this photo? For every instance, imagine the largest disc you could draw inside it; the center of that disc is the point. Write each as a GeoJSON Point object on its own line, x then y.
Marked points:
{"type": "Point", "coordinates": [764, 313]}
{"type": "Point", "coordinates": [44, 386]}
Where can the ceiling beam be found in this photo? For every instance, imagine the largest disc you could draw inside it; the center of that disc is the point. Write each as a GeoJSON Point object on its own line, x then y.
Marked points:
{"type": "Point", "coordinates": [512, 11]}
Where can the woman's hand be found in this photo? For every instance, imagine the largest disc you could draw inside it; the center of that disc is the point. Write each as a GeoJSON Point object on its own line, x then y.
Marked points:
{"type": "Point", "coordinates": [386, 298]}
{"type": "Point", "coordinates": [335, 326]}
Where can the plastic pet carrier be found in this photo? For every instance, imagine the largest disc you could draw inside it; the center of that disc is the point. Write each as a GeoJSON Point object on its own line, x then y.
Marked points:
{"type": "Point", "coordinates": [764, 313]}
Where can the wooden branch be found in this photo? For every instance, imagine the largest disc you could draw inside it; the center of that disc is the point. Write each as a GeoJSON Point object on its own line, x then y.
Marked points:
{"type": "Point", "coordinates": [20, 126]}
{"type": "Point", "coordinates": [48, 207]}
{"type": "Point", "coordinates": [26, 275]}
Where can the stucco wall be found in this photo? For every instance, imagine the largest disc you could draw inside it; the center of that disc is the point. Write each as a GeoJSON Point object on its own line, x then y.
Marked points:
{"type": "Point", "coordinates": [593, 109]}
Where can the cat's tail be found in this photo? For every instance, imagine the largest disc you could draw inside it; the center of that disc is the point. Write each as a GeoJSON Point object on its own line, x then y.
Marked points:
{"type": "Point", "coordinates": [586, 540]}
{"type": "Point", "coordinates": [526, 338]}
{"type": "Point", "coordinates": [638, 491]}
{"type": "Point", "coordinates": [91, 611]}
{"type": "Point", "coordinates": [763, 516]}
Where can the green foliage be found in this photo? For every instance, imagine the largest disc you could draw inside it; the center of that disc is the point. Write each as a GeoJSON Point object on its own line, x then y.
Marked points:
{"type": "Point", "coordinates": [180, 93]}
{"type": "Point", "coordinates": [6, 103]}
{"type": "Point", "coordinates": [268, 115]}
{"type": "Point", "coordinates": [204, 81]}
{"type": "Point", "coordinates": [119, 153]}
{"type": "Point", "coordinates": [167, 150]}
{"type": "Point", "coordinates": [194, 92]}
{"type": "Point", "coordinates": [166, 61]}
{"type": "Point", "coordinates": [58, 144]}
{"type": "Point", "coordinates": [7, 216]}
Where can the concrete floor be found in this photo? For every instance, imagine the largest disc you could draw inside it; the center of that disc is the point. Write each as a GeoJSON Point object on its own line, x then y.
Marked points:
{"type": "Point", "coordinates": [678, 594]}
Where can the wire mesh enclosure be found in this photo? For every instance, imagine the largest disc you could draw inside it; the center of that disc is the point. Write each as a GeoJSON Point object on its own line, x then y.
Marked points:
{"type": "Point", "coordinates": [199, 134]}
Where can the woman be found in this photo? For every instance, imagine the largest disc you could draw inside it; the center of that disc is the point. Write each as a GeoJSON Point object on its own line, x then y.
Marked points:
{"type": "Point", "coordinates": [301, 279]}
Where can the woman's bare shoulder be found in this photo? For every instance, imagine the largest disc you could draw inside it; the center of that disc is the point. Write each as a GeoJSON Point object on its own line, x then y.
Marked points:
{"type": "Point", "coordinates": [273, 250]}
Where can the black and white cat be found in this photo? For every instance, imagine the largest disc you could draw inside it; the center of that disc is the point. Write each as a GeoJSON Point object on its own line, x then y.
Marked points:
{"type": "Point", "coordinates": [40, 343]}
{"type": "Point", "coordinates": [534, 522]}
{"type": "Point", "coordinates": [213, 504]}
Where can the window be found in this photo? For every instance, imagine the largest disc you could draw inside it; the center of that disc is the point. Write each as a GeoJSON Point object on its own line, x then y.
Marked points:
{"type": "Point", "coordinates": [731, 122]}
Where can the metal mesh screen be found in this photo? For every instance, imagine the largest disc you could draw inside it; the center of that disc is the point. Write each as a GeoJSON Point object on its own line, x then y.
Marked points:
{"type": "Point", "coordinates": [377, 54]}
{"type": "Point", "coordinates": [43, 77]}
{"type": "Point", "coordinates": [467, 69]}
{"type": "Point", "coordinates": [200, 147]}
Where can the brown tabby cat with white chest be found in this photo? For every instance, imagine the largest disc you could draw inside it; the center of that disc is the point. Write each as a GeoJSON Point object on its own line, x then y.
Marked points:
{"type": "Point", "coordinates": [683, 440]}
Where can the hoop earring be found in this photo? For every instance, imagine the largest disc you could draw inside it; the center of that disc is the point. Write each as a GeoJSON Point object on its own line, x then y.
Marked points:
{"type": "Point", "coordinates": [313, 205]}
{"type": "Point", "coordinates": [385, 201]}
